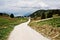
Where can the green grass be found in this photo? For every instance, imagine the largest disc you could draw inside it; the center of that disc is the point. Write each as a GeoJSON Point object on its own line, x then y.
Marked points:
{"type": "Point", "coordinates": [7, 24]}
{"type": "Point", "coordinates": [55, 22]}
{"type": "Point", "coordinates": [49, 28]}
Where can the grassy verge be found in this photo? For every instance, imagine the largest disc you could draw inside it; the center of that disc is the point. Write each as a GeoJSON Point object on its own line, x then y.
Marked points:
{"type": "Point", "coordinates": [7, 24]}
{"type": "Point", "coordinates": [49, 28]}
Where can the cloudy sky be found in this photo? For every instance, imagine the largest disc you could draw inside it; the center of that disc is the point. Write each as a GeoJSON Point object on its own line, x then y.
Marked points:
{"type": "Point", "coordinates": [22, 7]}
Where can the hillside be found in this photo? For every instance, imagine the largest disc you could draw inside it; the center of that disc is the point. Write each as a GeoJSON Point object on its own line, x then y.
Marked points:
{"type": "Point", "coordinates": [46, 22]}
{"type": "Point", "coordinates": [49, 28]}
{"type": "Point", "coordinates": [39, 13]}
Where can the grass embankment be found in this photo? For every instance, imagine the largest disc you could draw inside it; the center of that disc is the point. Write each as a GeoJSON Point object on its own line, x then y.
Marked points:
{"type": "Point", "coordinates": [49, 28]}
{"type": "Point", "coordinates": [7, 24]}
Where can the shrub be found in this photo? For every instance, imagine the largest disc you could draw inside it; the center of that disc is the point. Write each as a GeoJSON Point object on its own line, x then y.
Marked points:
{"type": "Point", "coordinates": [12, 16]}
{"type": "Point", "coordinates": [49, 15]}
{"type": "Point", "coordinates": [43, 16]}
{"type": "Point", "coordinates": [1, 14]}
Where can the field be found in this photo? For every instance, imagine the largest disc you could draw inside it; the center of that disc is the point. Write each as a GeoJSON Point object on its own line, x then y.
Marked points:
{"type": "Point", "coordinates": [7, 24]}
{"type": "Point", "coordinates": [49, 28]}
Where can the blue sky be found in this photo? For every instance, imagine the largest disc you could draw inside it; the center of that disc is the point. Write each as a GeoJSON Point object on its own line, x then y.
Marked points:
{"type": "Point", "coordinates": [22, 7]}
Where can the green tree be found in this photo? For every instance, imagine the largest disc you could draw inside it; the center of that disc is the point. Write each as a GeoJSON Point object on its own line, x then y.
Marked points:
{"type": "Point", "coordinates": [59, 13]}
{"type": "Point", "coordinates": [12, 16]}
{"type": "Point", "coordinates": [1, 14]}
{"type": "Point", "coordinates": [49, 15]}
{"type": "Point", "coordinates": [43, 16]}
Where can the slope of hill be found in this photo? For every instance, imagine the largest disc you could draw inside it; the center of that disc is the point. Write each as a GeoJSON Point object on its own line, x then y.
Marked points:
{"type": "Point", "coordinates": [49, 28]}
{"type": "Point", "coordinates": [39, 13]}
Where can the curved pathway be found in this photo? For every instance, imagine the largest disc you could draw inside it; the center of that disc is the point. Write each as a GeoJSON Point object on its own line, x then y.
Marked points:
{"type": "Point", "coordinates": [24, 32]}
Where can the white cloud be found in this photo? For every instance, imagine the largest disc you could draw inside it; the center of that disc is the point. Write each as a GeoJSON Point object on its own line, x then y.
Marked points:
{"type": "Point", "coordinates": [41, 4]}
{"type": "Point", "coordinates": [31, 5]}
{"type": "Point", "coordinates": [20, 3]}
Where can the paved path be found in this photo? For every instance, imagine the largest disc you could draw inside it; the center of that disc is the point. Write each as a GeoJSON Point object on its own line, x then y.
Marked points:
{"type": "Point", "coordinates": [43, 19]}
{"type": "Point", "coordinates": [24, 32]}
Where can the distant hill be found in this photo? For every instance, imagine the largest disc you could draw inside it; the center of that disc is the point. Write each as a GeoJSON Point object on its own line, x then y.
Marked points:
{"type": "Point", "coordinates": [4, 14]}
{"type": "Point", "coordinates": [38, 13]}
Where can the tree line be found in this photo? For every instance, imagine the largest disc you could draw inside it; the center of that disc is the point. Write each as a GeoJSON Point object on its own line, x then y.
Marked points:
{"type": "Point", "coordinates": [5, 14]}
